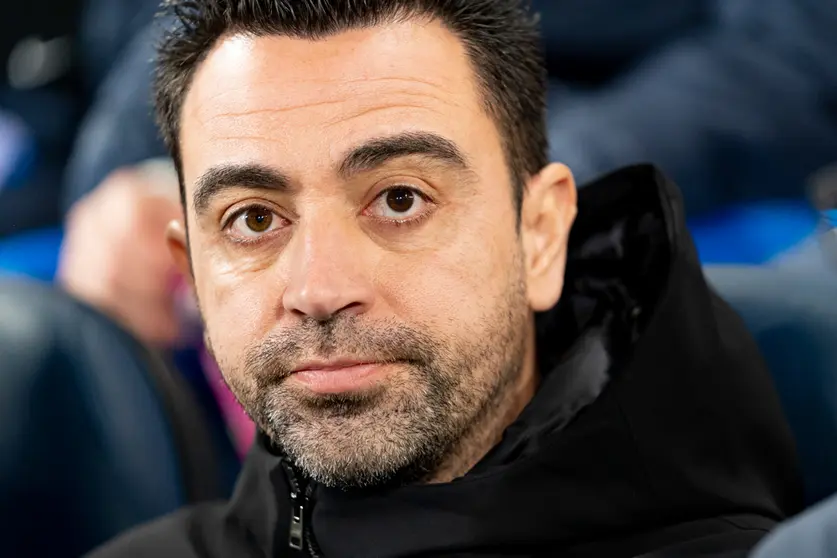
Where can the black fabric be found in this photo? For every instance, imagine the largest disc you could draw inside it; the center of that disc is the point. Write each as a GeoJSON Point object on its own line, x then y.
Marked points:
{"type": "Point", "coordinates": [656, 430]}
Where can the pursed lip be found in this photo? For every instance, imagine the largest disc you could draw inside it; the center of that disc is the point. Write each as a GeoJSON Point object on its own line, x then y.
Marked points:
{"type": "Point", "coordinates": [332, 365]}
{"type": "Point", "coordinates": [336, 376]}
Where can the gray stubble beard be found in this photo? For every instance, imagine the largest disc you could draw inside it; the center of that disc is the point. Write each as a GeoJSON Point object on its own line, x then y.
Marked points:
{"type": "Point", "coordinates": [440, 396]}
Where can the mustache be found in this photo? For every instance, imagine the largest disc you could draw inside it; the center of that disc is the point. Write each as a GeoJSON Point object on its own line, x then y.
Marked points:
{"type": "Point", "coordinates": [344, 337]}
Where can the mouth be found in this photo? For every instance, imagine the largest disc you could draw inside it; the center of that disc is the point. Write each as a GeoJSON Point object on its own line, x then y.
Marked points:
{"type": "Point", "coordinates": [342, 376]}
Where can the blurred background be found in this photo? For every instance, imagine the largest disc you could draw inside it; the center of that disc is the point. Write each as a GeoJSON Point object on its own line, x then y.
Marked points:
{"type": "Point", "coordinates": [734, 99]}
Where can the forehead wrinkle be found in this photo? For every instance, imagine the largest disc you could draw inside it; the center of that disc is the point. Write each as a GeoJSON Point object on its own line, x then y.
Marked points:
{"type": "Point", "coordinates": [359, 112]}
{"type": "Point", "coordinates": [277, 110]}
{"type": "Point", "coordinates": [378, 108]}
{"type": "Point", "coordinates": [344, 89]}
{"type": "Point", "coordinates": [342, 81]}
{"type": "Point", "coordinates": [342, 97]}
{"type": "Point", "coordinates": [368, 106]}
{"type": "Point", "coordinates": [397, 79]}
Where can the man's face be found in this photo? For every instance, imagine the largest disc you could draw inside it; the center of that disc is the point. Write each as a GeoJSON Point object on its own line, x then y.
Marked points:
{"type": "Point", "coordinates": [354, 245]}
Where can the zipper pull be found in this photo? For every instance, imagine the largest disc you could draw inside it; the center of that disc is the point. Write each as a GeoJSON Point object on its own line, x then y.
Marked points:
{"type": "Point", "coordinates": [297, 531]}
{"type": "Point", "coordinates": [296, 538]}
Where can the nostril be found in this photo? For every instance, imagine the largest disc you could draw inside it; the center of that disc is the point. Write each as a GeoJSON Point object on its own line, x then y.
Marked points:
{"type": "Point", "coordinates": [350, 309]}
{"type": "Point", "coordinates": [354, 307]}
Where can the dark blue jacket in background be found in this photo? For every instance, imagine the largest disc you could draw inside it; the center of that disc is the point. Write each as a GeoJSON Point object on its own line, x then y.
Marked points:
{"type": "Point", "coordinates": [737, 99]}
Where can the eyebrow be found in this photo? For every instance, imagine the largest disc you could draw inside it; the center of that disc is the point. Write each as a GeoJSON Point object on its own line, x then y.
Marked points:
{"type": "Point", "coordinates": [223, 177]}
{"type": "Point", "coordinates": [379, 151]}
{"type": "Point", "coordinates": [369, 156]}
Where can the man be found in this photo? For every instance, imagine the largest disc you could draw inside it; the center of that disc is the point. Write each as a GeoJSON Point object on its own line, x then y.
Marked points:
{"type": "Point", "coordinates": [379, 248]}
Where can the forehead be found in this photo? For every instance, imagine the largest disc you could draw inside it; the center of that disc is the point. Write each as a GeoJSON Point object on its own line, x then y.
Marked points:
{"type": "Point", "coordinates": [257, 98]}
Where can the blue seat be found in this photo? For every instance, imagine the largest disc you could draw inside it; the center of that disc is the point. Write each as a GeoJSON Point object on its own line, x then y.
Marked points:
{"type": "Point", "coordinates": [754, 233]}
{"type": "Point", "coordinates": [31, 254]}
{"type": "Point", "coordinates": [793, 316]}
{"type": "Point", "coordinates": [97, 434]}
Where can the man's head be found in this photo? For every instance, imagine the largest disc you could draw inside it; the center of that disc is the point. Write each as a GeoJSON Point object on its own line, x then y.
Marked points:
{"type": "Point", "coordinates": [371, 220]}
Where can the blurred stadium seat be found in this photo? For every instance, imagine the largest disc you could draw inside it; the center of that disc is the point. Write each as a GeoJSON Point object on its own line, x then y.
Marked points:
{"type": "Point", "coordinates": [97, 434]}
{"type": "Point", "coordinates": [755, 233]}
{"type": "Point", "coordinates": [31, 254]}
{"type": "Point", "coordinates": [793, 316]}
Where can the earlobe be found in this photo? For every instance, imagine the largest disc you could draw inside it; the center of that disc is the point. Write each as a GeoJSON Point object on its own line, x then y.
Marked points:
{"type": "Point", "coordinates": [179, 247]}
{"type": "Point", "coordinates": [548, 212]}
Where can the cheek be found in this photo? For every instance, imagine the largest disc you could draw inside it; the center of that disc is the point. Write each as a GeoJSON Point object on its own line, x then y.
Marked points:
{"type": "Point", "coordinates": [453, 289]}
{"type": "Point", "coordinates": [238, 306]}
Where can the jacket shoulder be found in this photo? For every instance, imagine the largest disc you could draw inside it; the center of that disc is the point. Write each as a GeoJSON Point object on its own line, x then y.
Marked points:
{"type": "Point", "coordinates": [201, 531]}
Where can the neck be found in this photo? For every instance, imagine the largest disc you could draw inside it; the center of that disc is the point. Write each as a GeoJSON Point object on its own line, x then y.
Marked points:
{"type": "Point", "coordinates": [501, 412]}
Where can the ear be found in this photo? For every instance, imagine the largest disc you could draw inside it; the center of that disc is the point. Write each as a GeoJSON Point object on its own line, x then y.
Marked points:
{"type": "Point", "coordinates": [547, 215]}
{"type": "Point", "coordinates": [178, 244]}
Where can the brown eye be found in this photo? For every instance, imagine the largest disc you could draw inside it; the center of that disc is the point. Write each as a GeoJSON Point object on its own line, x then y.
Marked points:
{"type": "Point", "coordinates": [401, 204]}
{"type": "Point", "coordinates": [400, 200]}
{"type": "Point", "coordinates": [253, 222]}
{"type": "Point", "coordinates": [258, 219]}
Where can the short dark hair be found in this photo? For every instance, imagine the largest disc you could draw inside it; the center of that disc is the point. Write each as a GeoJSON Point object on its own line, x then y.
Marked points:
{"type": "Point", "coordinates": [501, 38]}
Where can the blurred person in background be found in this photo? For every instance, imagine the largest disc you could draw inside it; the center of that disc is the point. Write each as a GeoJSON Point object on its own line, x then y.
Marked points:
{"type": "Point", "coordinates": [424, 393]}
{"type": "Point", "coordinates": [53, 56]}
{"type": "Point", "coordinates": [734, 98]}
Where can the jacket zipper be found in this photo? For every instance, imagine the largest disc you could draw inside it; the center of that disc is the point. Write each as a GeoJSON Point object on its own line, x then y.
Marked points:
{"type": "Point", "coordinates": [311, 542]}
{"type": "Point", "coordinates": [301, 536]}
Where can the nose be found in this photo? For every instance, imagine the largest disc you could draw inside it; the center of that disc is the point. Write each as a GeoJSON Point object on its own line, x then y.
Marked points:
{"type": "Point", "coordinates": [326, 275]}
